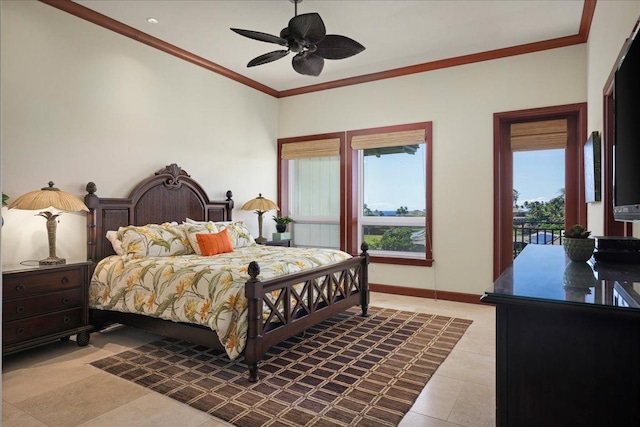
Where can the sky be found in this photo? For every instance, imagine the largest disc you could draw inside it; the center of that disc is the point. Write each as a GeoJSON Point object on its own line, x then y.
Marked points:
{"type": "Point", "coordinates": [538, 175]}
{"type": "Point", "coordinates": [395, 180]}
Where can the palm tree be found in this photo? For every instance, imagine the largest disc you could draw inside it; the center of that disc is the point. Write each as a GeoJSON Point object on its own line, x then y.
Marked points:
{"type": "Point", "coordinates": [402, 210]}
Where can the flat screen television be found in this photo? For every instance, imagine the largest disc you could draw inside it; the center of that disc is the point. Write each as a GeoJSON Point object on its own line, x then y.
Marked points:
{"type": "Point", "coordinates": [626, 158]}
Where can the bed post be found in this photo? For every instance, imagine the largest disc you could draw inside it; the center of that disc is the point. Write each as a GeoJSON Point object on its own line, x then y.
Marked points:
{"type": "Point", "coordinates": [364, 278]}
{"type": "Point", "coordinates": [253, 351]}
{"type": "Point", "coordinates": [91, 200]}
{"type": "Point", "coordinates": [229, 208]}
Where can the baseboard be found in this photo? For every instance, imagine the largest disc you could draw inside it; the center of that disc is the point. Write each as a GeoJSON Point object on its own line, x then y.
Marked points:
{"type": "Point", "coordinates": [426, 293]}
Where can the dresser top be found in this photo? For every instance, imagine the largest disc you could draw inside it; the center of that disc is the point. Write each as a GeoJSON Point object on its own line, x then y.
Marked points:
{"type": "Point", "coordinates": [543, 273]}
{"type": "Point", "coordinates": [35, 267]}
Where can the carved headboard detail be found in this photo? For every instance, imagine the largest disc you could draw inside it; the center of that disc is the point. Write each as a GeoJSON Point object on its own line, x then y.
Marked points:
{"type": "Point", "coordinates": [170, 195]}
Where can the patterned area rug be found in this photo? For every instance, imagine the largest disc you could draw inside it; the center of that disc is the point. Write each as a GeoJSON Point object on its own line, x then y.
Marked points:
{"type": "Point", "coordinates": [347, 371]}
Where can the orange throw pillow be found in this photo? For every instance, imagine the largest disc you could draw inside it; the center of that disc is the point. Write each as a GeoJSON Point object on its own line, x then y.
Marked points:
{"type": "Point", "coordinates": [214, 243]}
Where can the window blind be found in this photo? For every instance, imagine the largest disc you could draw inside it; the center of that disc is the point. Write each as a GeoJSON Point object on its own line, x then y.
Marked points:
{"type": "Point", "coordinates": [391, 139]}
{"type": "Point", "coordinates": [308, 149]}
{"type": "Point", "coordinates": [540, 135]}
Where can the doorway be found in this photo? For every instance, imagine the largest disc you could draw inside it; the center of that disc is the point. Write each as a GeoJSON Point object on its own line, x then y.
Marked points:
{"type": "Point", "coordinates": [575, 116]}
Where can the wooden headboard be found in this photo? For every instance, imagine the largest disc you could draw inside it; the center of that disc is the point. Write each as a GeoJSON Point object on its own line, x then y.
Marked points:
{"type": "Point", "coordinates": [170, 195]}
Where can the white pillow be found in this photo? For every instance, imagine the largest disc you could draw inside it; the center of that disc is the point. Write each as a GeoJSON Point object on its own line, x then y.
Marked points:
{"type": "Point", "coordinates": [193, 221]}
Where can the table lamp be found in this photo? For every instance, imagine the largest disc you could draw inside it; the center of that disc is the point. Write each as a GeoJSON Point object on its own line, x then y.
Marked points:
{"type": "Point", "coordinates": [45, 198]}
{"type": "Point", "coordinates": [260, 205]}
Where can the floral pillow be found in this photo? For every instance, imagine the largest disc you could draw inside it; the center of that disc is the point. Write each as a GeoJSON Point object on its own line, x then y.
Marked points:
{"type": "Point", "coordinates": [168, 239]}
{"type": "Point", "coordinates": [239, 233]}
{"type": "Point", "coordinates": [112, 236]}
{"type": "Point", "coordinates": [193, 228]}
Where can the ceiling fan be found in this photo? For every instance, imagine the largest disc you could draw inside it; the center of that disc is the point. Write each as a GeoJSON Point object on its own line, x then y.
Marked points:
{"type": "Point", "coordinates": [307, 36]}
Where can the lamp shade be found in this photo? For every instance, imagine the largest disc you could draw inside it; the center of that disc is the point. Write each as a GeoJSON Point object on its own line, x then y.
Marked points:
{"type": "Point", "coordinates": [49, 197]}
{"type": "Point", "coordinates": [260, 204]}
{"type": "Point", "coordinates": [45, 198]}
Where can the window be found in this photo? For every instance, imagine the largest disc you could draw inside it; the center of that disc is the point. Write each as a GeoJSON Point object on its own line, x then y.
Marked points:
{"type": "Point", "coordinates": [377, 191]}
{"type": "Point", "coordinates": [391, 193]}
{"type": "Point", "coordinates": [315, 201]}
{"type": "Point", "coordinates": [310, 189]}
{"type": "Point", "coordinates": [393, 220]}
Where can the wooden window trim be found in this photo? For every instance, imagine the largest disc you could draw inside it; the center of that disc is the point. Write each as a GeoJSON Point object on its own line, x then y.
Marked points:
{"type": "Point", "coordinates": [283, 177]}
{"type": "Point", "coordinates": [352, 173]}
{"type": "Point", "coordinates": [575, 206]}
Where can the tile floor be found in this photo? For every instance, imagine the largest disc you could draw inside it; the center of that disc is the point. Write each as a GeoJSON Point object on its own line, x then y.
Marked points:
{"type": "Point", "coordinates": [54, 385]}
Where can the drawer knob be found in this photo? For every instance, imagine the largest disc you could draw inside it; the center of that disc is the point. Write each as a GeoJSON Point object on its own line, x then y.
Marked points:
{"type": "Point", "coordinates": [65, 280]}
{"type": "Point", "coordinates": [20, 287]}
{"type": "Point", "coordinates": [65, 301]}
{"type": "Point", "coordinates": [20, 309]}
{"type": "Point", "coordinates": [20, 331]}
{"type": "Point", "coordinates": [66, 319]}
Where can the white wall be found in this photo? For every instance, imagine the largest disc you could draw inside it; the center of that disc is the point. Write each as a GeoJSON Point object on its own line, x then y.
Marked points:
{"type": "Point", "coordinates": [75, 97]}
{"type": "Point", "coordinates": [612, 23]}
{"type": "Point", "coordinates": [81, 103]}
{"type": "Point", "coordinates": [460, 102]}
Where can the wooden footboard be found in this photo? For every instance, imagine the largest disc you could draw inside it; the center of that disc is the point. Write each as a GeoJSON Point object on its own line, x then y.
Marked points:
{"type": "Point", "coordinates": [294, 304]}
{"type": "Point", "coordinates": [321, 293]}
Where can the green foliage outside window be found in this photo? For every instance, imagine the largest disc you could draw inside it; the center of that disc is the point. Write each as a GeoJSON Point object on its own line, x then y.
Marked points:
{"type": "Point", "coordinates": [397, 239]}
{"type": "Point", "coordinates": [391, 238]}
{"type": "Point", "coordinates": [547, 214]}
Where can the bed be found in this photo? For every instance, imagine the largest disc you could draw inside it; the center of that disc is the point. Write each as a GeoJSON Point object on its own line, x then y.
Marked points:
{"type": "Point", "coordinates": [278, 303]}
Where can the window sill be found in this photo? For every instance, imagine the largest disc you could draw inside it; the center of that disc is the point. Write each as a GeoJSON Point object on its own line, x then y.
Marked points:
{"type": "Point", "coordinates": [402, 261]}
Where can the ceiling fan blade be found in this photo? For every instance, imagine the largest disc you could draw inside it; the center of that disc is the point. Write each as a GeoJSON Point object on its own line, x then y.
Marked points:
{"type": "Point", "coordinates": [338, 47]}
{"type": "Point", "coordinates": [263, 37]}
{"type": "Point", "coordinates": [308, 64]}
{"type": "Point", "coordinates": [267, 57]}
{"type": "Point", "coordinates": [307, 27]}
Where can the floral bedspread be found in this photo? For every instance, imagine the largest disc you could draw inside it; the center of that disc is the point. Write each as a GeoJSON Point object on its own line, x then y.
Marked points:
{"type": "Point", "coordinates": [198, 289]}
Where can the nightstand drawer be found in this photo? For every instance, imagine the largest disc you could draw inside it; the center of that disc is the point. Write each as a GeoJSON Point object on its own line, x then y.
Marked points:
{"type": "Point", "coordinates": [20, 285]}
{"type": "Point", "coordinates": [26, 307]}
{"type": "Point", "coordinates": [21, 330]}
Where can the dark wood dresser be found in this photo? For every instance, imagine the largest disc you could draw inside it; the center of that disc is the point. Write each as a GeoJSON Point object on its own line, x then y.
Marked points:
{"type": "Point", "coordinates": [44, 304]}
{"type": "Point", "coordinates": [567, 341]}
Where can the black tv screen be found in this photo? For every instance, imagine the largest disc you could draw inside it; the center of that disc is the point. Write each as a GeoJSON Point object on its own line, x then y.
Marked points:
{"type": "Point", "coordinates": [626, 181]}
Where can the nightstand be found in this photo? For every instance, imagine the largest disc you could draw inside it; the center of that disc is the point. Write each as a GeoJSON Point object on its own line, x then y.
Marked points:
{"type": "Point", "coordinates": [44, 304]}
{"type": "Point", "coordinates": [286, 242]}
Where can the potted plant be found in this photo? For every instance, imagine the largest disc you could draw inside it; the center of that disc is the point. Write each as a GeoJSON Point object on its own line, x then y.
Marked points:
{"type": "Point", "coordinates": [577, 244]}
{"type": "Point", "coordinates": [281, 223]}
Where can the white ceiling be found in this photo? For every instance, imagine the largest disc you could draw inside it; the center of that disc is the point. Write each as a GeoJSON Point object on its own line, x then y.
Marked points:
{"type": "Point", "coordinates": [396, 33]}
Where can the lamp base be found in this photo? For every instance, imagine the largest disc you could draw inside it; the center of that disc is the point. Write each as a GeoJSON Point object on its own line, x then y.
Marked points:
{"type": "Point", "coordinates": [261, 240]}
{"type": "Point", "coordinates": [52, 261]}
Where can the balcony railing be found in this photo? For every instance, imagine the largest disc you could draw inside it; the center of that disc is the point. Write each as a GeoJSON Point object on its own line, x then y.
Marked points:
{"type": "Point", "coordinates": [526, 233]}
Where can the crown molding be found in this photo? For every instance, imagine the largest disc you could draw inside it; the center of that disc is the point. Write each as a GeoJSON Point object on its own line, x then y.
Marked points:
{"type": "Point", "coordinates": [127, 31]}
